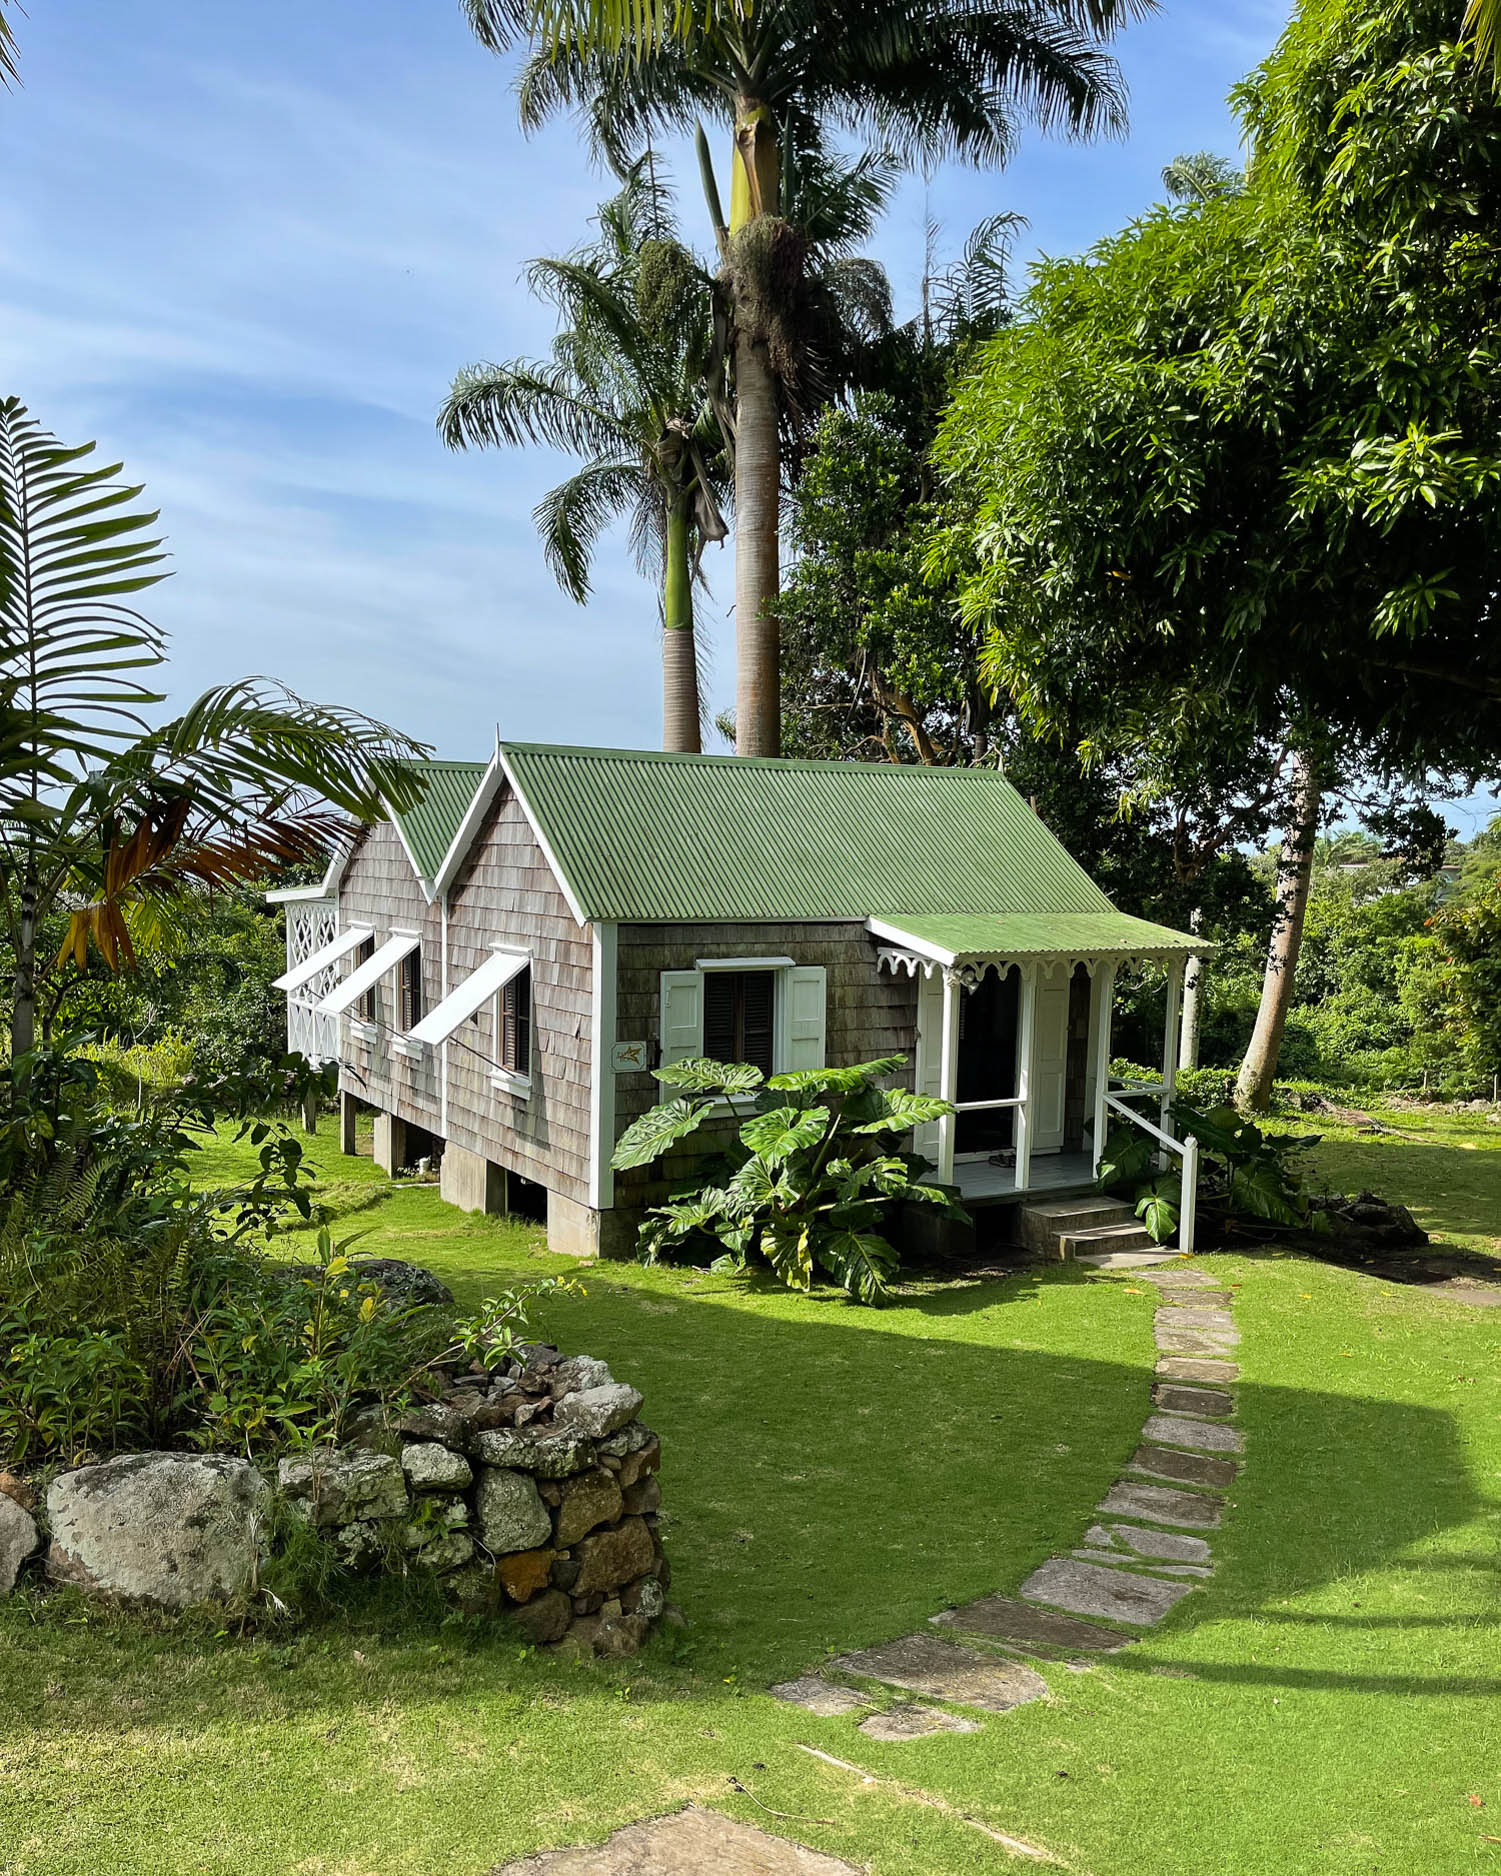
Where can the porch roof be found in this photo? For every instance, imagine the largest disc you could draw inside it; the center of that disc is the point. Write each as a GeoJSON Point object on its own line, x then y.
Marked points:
{"type": "Point", "coordinates": [969, 937]}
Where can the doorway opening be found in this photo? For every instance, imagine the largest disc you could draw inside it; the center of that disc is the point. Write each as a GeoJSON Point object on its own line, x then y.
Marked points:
{"type": "Point", "coordinates": [987, 1063]}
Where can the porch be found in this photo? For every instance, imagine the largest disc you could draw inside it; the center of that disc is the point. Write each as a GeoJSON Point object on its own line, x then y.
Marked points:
{"type": "Point", "coordinates": [1014, 1021]}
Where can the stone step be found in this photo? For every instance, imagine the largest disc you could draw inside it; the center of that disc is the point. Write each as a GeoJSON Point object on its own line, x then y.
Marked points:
{"type": "Point", "coordinates": [687, 1843]}
{"type": "Point", "coordinates": [912, 1720]}
{"type": "Point", "coordinates": [1162, 1462]}
{"type": "Point", "coordinates": [1095, 1239]}
{"type": "Point", "coordinates": [999, 1619]}
{"type": "Point", "coordinates": [1134, 1261]}
{"type": "Point", "coordinates": [1211, 1402]}
{"type": "Point", "coordinates": [1116, 1557]}
{"type": "Point", "coordinates": [1092, 1589]}
{"type": "Point", "coordinates": [1043, 1226]}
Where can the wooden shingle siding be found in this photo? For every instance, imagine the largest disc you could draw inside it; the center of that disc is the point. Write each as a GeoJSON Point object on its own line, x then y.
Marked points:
{"type": "Point", "coordinates": [506, 894]}
{"type": "Point", "coordinates": [378, 889]}
{"type": "Point", "coordinates": [869, 1013]}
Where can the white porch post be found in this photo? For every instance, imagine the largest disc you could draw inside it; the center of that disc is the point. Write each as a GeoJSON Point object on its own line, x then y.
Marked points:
{"type": "Point", "coordinates": [948, 1078]}
{"type": "Point", "coordinates": [1104, 999]}
{"type": "Point", "coordinates": [1026, 1051]}
{"type": "Point", "coordinates": [1170, 1047]}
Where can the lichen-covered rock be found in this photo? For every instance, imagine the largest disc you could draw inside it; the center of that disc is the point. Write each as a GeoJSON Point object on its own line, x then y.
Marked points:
{"type": "Point", "coordinates": [430, 1467]}
{"type": "Point", "coordinates": [407, 1286]}
{"type": "Point", "coordinates": [435, 1420]}
{"type": "Point", "coordinates": [646, 1458]}
{"type": "Point", "coordinates": [598, 1411]}
{"type": "Point", "coordinates": [619, 1634]}
{"type": "Point", "coordinates": [633, 1437]}
{"type": "Point", "coordinates": [545, 1618]}
{"type": "Point", "coordinates": [646, 1597]}
{"type": "Point", "coordinates": [589, 1499]}
{"type": "Point", "coordinates": [546, 1453]}
{"type": "Point", "coordinates": [612, 1557]}
{"type": "Point", "coordinates": [576, 1374]}
{"type": "Point", "coordinates": [436, 1547]}
{"type": "Point", "coordinates": [342, 1487]}
{"type": "Point", "coordinates": [475, 1587]}
{"type": "Point", "coordinates": [18, 1540]}
{"type": "Point", "coordinates": [359, 1546]}
{"type": "Point", "coordinates": [166, 1529]}
{"type": "Point", "coordinates": [510, 1511]}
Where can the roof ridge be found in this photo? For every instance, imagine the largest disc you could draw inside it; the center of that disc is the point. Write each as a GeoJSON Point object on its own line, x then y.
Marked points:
{"type": "Point", "coordinates": [687, 758]}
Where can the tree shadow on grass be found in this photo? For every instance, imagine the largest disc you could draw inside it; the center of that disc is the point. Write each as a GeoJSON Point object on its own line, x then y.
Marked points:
{"type": "Point", "coordinates": [1447, 1188]}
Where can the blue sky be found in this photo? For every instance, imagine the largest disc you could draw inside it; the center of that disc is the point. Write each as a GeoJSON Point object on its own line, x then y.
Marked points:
{"type": "Point", "coordinates": [248, 249]}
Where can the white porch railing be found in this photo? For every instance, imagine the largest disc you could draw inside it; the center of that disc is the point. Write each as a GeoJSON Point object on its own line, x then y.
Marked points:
{"type": "Point", "coordinates": [1187, 1150]}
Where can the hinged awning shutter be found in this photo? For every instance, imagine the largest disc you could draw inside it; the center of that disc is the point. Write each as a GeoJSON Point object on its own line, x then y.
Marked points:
{"type": "Point", "coordinates": [370, 972]}
{"type": "Point", "coordinates": [460, 1004]}
{"type": "Point", "coordinates": [325, 955]}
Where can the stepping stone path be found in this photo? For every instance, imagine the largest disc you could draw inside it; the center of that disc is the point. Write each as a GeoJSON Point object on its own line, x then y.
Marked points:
{"type": "Point", "coordinates": [690, 1843]}
{"type": "Point", "coordinates": [1140, 1558]}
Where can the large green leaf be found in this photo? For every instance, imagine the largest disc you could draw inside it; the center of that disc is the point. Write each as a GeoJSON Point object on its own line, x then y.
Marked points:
{"type": "Point", "coordinates": [702, 1076]}
{"type": "Point", "coordinates": [661, 1127]}
{"type": "Point", "coordinates": [838, 1080]}
{"type": "Point", "coordinates": [862, 1262]}
{"type": "Point", "coordinates": [900, 1109]}
{"type": "Point", "coordinates": [777, 1135]}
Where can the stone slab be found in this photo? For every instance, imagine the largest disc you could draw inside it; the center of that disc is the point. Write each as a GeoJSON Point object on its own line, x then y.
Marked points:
{"type": "Point", "coordinates": [820, 1697]}
{"type": "Point", "coordinates": [1171, 1545]}
{"type": "Point", "coordinates": [1090, 1589]}
{"type": "Point", "coordinates": [1122, 1260]}
{"type": "Point", "coordinates": [1205, 1436]}
{"type": "Point", "coordinates": [922, 1664]}
{"type": "Point", "coordinates": [1158, 1569]}
{"type": "Point", "coordinates": [1203, 1321]}
{"type": "Point", "coordinates": [1162, 1462]}
{"type": "Point", "coordinates": [1158, 1505]}
{"type": "Point", "coordinates": [1024, 1626]}
{"type": "Point", "coordinates": [1196, 1368]}
{"type": "Point", "coordinates": [1212, 1403]}
{"type": "Point", "coordinates": [913, 1721]}
{"type": "Point", "coordinates": [692, 1842]}
{"type": "Point", "coordinates": [1185, 1277]}
{"type": "Point", "coordinates": [1194, 1342]}
{"type": "Point", "coordinates": [1196, 1298]}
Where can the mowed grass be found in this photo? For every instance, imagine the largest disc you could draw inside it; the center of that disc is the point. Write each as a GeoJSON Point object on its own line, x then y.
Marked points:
{"type": "Point", "coordinates": [833, 1476]}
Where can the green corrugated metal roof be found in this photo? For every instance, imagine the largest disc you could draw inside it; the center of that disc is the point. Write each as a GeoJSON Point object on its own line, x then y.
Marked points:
{"type": "Point", "coordinates": [1036, 934]}
{"type": "Point", "coordinates": [644, 836]}
{"type": "Point", "coordinates": [429, 828]}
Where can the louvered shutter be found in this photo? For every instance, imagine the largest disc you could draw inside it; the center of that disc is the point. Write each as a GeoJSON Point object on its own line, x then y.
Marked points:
{"type": "Point", "coordinates": [682, 1015]}
{"type": "Point", "coordinates": [805, 991]}
{"type": "Point", "coordinates": [929, 1056]}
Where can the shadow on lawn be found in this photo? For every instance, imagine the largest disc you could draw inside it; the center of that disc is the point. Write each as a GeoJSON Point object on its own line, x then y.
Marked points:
{"type": "Point", "coordinates": [1448, 1188]}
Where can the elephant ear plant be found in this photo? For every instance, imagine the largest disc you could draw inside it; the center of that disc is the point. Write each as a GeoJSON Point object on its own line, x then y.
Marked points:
{"type": "Point", "coordinates": [809, 1180]}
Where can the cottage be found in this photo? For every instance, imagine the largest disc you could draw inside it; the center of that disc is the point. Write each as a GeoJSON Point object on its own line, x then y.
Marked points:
{"type": "Point", "coordinates": [498, 970]}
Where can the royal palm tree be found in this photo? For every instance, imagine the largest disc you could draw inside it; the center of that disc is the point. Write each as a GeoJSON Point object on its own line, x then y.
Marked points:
{"type": "Point", "coordinates": [103, 818]}
{"type": "Point", "coordinates": [628, 387]}
{"type": "Point", "coordinates": [927, 78]}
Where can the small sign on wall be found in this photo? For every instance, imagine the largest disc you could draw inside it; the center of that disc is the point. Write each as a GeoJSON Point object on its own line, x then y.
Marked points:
{"type": "Point", "coordinates": [630, 1058]}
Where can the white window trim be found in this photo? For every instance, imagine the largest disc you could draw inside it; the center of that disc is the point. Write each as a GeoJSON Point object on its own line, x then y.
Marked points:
{"type": "Point", "coordinates": [506, 1080]}
{"type": "Point", "coordinates": [744, 964]}
{"type": "Point", "coordinates": [361, 1031]}
{"type": "Point", "coordinates": [781, 1041]}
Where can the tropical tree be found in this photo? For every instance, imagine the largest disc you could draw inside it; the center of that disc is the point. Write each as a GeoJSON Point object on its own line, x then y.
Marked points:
{"type": "Point", "coordinates": [1201, 175]}
{"type": "Point", "coordinates": [1482, 21]}
{"type": "Point", "coordinates": [929, 80]}
{"type": "Point", "coordinates": [112, 823]}
{"type": "Point", "coordinates": [632, 387]}
{"type": "Point", "coordinates": [1235, 469]}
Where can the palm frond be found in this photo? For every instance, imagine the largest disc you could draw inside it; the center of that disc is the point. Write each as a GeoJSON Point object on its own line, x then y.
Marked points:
{"type": "Point", "coordinates": [521, 403]}
{"type": "Point", "coordinates": [1482, 21]}
{"type": "Point", "coordinates": [571, 517]}
{"type": "Point", "coordinates": [10, 71]}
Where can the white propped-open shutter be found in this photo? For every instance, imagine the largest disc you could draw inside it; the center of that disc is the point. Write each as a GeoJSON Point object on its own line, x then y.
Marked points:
{"type": "Point", "coordinates": [806, 992]}
{"type": "Point", "coordinates": [929, 1077]}
{"type": "Point", "coordinates": [682, 1015]}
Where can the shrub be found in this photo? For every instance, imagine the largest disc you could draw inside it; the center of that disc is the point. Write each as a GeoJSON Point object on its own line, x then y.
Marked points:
{"type": "Point", "coordinates": [811, 1179]}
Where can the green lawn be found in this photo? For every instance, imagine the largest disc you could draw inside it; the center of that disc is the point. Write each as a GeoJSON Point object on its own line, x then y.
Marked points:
{"type": "Point", "coordinates": [1325, 1704]}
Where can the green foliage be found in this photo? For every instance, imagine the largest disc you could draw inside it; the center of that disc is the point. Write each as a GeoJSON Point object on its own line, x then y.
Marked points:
{"type": "Point", "coordinates": [500, 1325]}
{"type": "Point", "coordinates": [811, 1177]}
{"type": "Point", "coordinates": [1246, 1176]}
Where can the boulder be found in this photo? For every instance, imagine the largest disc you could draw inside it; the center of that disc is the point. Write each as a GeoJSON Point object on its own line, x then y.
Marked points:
{"type": "Point", "coordinates": [435, 1548]}
{"type": "Point", "coordinates": [632, 1438]}
{"type": "Point", "coordinates": [589, 1499]}
{"type": "Point", "coordinates": [524, 1573]}
{"type": "Point", "coordinates": [167, 1529]}
{"type": "Point", "coordinates": [577, 1373]}
{"type": "Point", "coordinates": [359, 1546]}
{"type": "Point", "coordinates": [407, 1286]}
{"type": "Point", "coordinates": [343, 1487]}
{"type": "Point", "coordinates": [18, 1540]}
{"type": "Point", "coordinates": [435, 1420]}
{"type": "Point", "coordinates": [430, 1467]}
{"type": "Point", "coordinates": [19, 1490]}
{"type": "Point", "coordinates": [645, 1495]}
{"type": "Point", "coordinates": [545, 1618]}
{"type": "Point", "coordinates": [645, 1459]}
{"type": "Point", "coordinates": [511, 1513]}
{"type": "Point", "coordinates": [598, 1411]}
{"type": "Point", "coordinates": [610, 1558]}
{"type": "Point", "coordinates": [544, 1452]}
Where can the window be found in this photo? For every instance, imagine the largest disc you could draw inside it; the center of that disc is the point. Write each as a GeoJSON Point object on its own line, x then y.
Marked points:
{"type": "Point", "coordinates": [409, 992]}
{"type": "Point", "coordinates": [515, 1029]}
{"type": "Point", "coordinates": [740, 1017]}
{"type": "Point", "coordinates": [365, 1010]}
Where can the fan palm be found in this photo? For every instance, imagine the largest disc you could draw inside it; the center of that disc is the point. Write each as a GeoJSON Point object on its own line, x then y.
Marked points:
{"type": "Point", "coordinates": [629, 388]}
{"type": "Point", "coordinates": [101, 816]}
{"type": "Point", "coordinates": [930, 78]}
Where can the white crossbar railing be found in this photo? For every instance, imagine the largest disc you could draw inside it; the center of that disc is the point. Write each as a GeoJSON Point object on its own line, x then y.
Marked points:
{"type": "Point", "coordinates": [1187, 1150]}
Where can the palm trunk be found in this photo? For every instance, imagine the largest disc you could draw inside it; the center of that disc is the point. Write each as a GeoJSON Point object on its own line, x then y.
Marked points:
{"type": "Point", "coordinates": [1188, 1021]}
{"type": "Point", "coordinates": [680, 706]}
{"type": "Point", "coordinates": [758, 491]}
{"type": "Point", "coordinates": [755, 190]}
{"type": "Point", "coordinates": [23, 983]}
{"type": "Point", "coordinates": [1253, 1086]}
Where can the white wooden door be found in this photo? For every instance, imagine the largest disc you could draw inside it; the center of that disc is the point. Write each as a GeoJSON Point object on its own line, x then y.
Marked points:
{"type": "Point", "coordinates": [1050, 1066]}
{"type": "Point", "coordinates": [929, 1076]}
